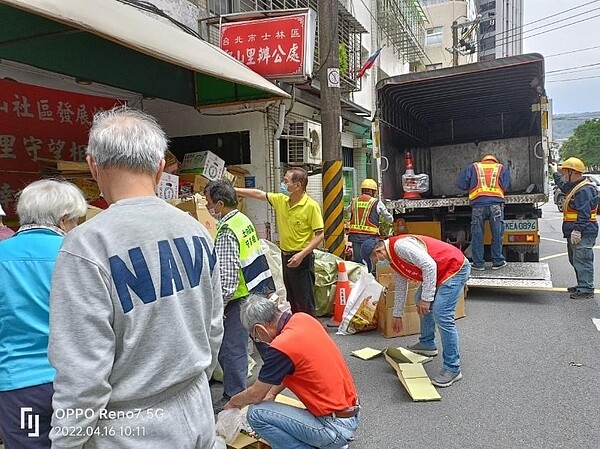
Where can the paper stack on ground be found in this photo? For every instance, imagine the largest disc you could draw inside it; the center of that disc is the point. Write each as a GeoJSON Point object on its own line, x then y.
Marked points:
{"type": "Point", "coordinates": [412, 375]}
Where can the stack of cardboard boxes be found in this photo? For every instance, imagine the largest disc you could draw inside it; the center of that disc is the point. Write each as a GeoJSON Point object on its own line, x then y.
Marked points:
{"type": "Point", "coordinates": [197, 170]}
{"type": "Point", "coordinates": [410, 318]}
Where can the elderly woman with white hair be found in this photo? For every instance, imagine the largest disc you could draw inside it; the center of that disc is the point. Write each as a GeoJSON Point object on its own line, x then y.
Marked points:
{"type": "Point", "coordinates": [47, 210]}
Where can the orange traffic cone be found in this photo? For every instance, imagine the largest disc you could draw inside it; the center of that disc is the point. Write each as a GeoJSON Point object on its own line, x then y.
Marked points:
{"type": "Point", "coordinates": [342, 291]}
{"type": "Point", "coordinates": [408, 179]}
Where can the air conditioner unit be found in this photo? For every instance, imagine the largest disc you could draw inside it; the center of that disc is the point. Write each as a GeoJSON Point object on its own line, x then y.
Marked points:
{"type": "Point", "coordinates": [306, 145]}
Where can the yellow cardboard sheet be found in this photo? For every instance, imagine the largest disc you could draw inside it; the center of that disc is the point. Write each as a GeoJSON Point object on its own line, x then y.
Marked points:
{"type": "Point", "coordinates": [404, 355]}
{"type": "Point", "coordinates": [414, 378]}
{"type": "Point", "coordinates": [289, 401]}
{"type": "Point", "coordinates": [366, 353]}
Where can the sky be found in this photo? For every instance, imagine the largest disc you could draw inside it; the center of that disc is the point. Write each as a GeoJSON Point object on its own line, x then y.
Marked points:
{"type": "Point", "coordinates": [567, 96]}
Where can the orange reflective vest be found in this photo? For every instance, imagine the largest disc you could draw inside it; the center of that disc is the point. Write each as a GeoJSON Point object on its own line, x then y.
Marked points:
{"type": "Point", "coordinates": [488, 174]}
{"type": "Point", "coordinates": [570, 214]}
{"type": "Point", "coordinates": [363, 216]}
{"type": "Point", "coordinates": [448, 259]}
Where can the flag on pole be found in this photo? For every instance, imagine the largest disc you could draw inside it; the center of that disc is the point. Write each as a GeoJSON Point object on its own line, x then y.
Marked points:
{"type": "Point", "coordinates": [368, 63]}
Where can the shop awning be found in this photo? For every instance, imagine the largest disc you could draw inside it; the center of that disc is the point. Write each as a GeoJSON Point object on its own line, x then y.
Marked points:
{"type": "Point", "coordinates": [115, 44]}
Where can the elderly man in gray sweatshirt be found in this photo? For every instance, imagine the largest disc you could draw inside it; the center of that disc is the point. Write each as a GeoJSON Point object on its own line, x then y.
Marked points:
{"type": "Point", "coordinates": [136, 308]}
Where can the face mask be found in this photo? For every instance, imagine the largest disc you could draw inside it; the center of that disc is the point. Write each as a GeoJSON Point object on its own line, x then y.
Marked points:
{"type": "Point", "coordinates": [283, 188]}
{"type": "Point", "coordinates": [383, 263]}
{"type": "Point", "coordinates": [213, 214]}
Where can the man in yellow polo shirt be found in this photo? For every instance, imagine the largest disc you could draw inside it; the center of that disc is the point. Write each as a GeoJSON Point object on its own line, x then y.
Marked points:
{"type": "Point", "coordinates": [300, 226]}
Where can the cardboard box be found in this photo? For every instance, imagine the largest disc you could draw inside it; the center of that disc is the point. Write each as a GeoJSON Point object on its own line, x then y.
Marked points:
{"type": "Point", "coordinates": [197, 182]}
{"type": "Point", "coordinates": [89, 188]}
{"type": "Point", "coordinates": [168, 187]}
{"type": "Point", "coordinates": [410, 319]}
{"type": "Point", "coordinates": [411, 323]}
{"type": "Point", "coordinates": [204, 163]}
{"type": "Point", "coordinates": [196, 207]}
{"type": "Point", "coordinates": [92, 211]}
{"type": "Point", "coordinates": [240, 175]}
{"type": "Point", "coordinates": [387, 280]}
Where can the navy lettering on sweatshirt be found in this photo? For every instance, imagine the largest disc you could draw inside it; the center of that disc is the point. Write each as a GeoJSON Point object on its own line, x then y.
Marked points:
{"type": "Point", "coordinates": [140, 281]}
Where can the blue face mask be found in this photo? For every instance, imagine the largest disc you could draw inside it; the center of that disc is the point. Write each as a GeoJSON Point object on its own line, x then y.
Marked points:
{"type": "Point", "coordinates": [383, 263]}
{"type": "Point", "coordinates": [283, 188]}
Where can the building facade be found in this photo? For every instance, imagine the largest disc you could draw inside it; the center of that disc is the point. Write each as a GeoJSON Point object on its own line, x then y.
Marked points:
{"type": "Point", "coordinates": [450, 32]}
{"type": "Point", "coordinates": [500, 31]}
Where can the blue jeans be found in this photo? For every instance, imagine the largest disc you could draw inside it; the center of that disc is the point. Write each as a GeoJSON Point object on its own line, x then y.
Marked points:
{"type": "Point", "coordinates": [442, 314]}
{"type": "Point", "coordinates": [233, 355]}
{"type": "Point", "coordinates": [581, 257]}
{"type": "Point", "coordinates": [494, 213]}
{"type": "Point", "coordinates": [288, 427]}
{"type": "Point", "coordinates": [357, 256]}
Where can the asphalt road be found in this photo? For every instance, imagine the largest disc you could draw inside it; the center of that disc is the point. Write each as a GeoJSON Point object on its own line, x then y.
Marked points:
{"type": "Point", "coordinates": [531, 367]}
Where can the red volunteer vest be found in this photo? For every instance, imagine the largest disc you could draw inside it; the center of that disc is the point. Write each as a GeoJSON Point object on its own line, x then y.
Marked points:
{"type": "Point", "coordinates": [449, 259]}
{"type": "Point", "coordinates": [321, 378]}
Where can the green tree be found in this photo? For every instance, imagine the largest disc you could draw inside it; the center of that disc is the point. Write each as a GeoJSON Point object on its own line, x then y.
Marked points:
{"type": "Point", "coordinates": [584, 144]}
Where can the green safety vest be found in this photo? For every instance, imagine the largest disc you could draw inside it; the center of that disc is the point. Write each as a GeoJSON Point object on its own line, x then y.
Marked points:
{"type": "Point", "coordinates": [254, 275]}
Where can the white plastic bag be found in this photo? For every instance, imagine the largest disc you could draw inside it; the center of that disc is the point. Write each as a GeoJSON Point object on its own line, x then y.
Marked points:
{"type": "Point", "coordinates": [229, 424]}
{"type": "Point", "coordinates": [360, 313]}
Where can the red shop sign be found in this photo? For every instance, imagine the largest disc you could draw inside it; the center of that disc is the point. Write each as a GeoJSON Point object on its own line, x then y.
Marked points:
{"type": "Point", "coordinates": [277, 47]}
{"type": "Point", "coordinates": [38, 122]}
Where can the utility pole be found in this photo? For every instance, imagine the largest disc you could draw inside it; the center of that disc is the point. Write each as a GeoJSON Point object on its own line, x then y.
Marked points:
{"type": "Point", "coordinates": [455, 44]}
{"type": "Point", "coordinates": [331, 111]}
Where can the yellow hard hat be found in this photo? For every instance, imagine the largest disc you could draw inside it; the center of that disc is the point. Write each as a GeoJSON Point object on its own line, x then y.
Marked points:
{"type": "Point", "coordinates": [574, 164]}
{"type": "Point", "coordinates": [369, 184]}
{"type": "Point", "coordinates": [489, 157]}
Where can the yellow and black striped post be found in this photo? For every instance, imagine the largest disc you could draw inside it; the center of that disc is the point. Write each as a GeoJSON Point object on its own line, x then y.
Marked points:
{"type": "Point", "coordinates": [333, 207]}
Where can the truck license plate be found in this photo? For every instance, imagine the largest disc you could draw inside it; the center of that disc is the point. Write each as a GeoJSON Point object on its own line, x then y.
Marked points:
{"type": "Point", "coordinates": [520, 225]}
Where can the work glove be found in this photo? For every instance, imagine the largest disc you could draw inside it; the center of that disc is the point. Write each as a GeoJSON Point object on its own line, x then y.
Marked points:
{"type": "Point", "coordinates": [575, 237]}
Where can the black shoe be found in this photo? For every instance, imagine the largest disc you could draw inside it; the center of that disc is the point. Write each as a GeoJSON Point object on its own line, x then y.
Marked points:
{"type": "Point", "coordinates": [582, 295]}
{"type": "Point", "coordinates": [571, 289]}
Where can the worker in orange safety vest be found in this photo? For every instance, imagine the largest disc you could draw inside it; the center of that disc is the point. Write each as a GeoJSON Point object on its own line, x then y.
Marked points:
{"type": "Point", "coordinates": [486, 181]}
{"type": "Point", "coordinates": [580, 225]}
{"type": "Point", "coordinates": [366, 213]}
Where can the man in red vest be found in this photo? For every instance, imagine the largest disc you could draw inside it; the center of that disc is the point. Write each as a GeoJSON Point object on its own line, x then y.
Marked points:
{"type": "Point", "coordinates": [580, 226]}
{"type": "Point", "coordinates": [366, 213]}
{"type": "Point", "coordinates": [443, 271]}
{"type": "Point", "coordinates": [300, 356]}
{"type": "Point", "coordinates": [486, 181]}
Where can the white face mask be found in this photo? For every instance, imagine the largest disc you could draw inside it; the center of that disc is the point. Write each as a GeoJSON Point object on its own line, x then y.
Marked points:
{"type": "Point", "coordinates": [216, 216]}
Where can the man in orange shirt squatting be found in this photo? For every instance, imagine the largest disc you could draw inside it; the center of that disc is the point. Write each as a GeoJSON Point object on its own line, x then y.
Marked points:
{"type": "Point", "coordinates": [443, 270]}
{"type": "Point", "coordinates": [318, 376]}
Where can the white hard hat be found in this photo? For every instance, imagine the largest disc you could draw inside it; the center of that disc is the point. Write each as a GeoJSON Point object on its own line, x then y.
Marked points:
{"type": "Point", "coordinates": [2, 213]}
